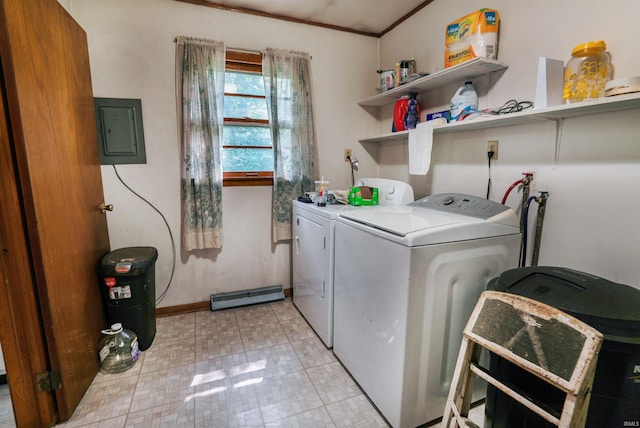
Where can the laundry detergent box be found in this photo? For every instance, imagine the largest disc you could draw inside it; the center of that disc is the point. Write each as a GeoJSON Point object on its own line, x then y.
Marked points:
{"type": "Point", "coordinates": [363, 195]}
{"type": "Point", "coordinates": [472, 36]}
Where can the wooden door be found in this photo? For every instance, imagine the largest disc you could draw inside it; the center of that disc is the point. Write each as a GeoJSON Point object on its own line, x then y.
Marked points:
{"type": "Point", "coordinates": [21, 332]}
{"type": "Point", "coordinates": [60, 230]}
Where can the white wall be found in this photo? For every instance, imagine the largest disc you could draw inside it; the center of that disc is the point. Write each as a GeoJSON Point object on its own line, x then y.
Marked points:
{"type": "Point", "coordinates": [3, 369]}
{"type": "Point", "coordinates": [131, 49]}
{"type": "Point", "coordinates": [65, 4]}
{"type": "Point", "coordinates": [591, 215]}
{"type": "Point", "coordinates": [593, 209]}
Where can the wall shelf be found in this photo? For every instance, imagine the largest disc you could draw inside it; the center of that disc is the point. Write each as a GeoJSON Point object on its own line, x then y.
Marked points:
{"type": "Point", "coordinates": [456, 74]}
{"type": "Point", "coordinates": [602, 105]}
{"type": "Point", "coordinates": [392, 136]}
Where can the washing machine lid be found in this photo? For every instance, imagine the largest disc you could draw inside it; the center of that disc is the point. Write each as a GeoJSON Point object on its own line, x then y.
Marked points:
{"type": "Point", "coordinates": [436, 219]}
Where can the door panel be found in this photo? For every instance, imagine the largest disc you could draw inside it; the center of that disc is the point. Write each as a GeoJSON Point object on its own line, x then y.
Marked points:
{"type": "Point", "coordinates": [20, 321]}
{"type": "Point", "coordinates": [50, 105]}
{"type": "Point", "coordinates": [310, 257]}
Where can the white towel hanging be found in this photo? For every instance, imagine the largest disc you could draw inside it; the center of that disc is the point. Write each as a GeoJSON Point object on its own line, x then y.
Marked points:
{"type": "Point", "coordinates": [420, 144]}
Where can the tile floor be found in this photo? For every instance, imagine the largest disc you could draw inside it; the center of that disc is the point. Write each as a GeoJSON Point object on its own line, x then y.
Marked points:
{"type": "Point", "coordinates": [6, 411]}
{"type": "Point", "coordinates": [256, 366]}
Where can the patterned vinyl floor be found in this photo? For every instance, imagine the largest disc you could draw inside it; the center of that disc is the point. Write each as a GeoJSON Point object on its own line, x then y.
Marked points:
{"type": "Point", "coordinates": [255, 366]}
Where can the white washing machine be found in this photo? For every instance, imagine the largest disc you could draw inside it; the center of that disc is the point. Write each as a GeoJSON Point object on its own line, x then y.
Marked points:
{"type": "Point", "coordinates": [313, 252]}
{"type": "Point", "coordinates": [406, 281]}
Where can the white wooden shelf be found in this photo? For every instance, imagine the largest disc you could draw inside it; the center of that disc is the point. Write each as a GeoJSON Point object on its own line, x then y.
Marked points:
{"type": "Point", "coordinates": [456, 74]}
{"type": "Point", "coordinates": [392, 136]}
{"type": "Point", "coordinates": [601, 105]}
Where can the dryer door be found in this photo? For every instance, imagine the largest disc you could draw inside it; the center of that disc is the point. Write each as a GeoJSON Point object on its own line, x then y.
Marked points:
{"type": "Point", "coordinates": [312, 261]}
{"type": "Point", "coordinates": [310, 257]}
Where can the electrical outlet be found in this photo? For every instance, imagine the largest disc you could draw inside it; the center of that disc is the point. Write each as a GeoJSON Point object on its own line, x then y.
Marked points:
{"type": "Point", "coordinates": [347, 154]}
{"type": "Point", "coordinates": [492, 146]}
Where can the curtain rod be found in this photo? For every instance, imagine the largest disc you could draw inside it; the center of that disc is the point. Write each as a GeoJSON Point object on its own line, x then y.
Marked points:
{"type": "Point", "coordinates": [175, 40]}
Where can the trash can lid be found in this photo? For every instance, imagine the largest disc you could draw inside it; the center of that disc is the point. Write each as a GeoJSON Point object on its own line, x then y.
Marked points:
{"type": "Point", "coordinates": [607, 306]}
{"type": "Point", "coordinates": [128, 261]}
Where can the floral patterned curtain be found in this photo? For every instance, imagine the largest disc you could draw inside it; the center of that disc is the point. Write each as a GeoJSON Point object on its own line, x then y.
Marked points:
{"type": "Point", "coordinates": [200, 66]}
{"type": "Point", "coordinates": [287, 81]}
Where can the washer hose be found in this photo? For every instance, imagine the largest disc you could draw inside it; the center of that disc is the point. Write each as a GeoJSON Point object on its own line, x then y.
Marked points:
{"type": "Point", "coordinates": [525, 215]}
{"type": "Point", "coordinates": [504, 198]}
{"type": "Point", "coordinates": [542, 203]}
{"type": "Point", "coordinates": [525, 181]}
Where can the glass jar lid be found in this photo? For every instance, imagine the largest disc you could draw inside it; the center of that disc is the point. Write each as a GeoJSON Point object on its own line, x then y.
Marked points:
{"type": "Point", "coordinates": [589, 48]}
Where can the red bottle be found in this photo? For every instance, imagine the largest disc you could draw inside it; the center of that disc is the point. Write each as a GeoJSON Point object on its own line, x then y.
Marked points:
{"type": "Point", "coordinates": [400, 111]}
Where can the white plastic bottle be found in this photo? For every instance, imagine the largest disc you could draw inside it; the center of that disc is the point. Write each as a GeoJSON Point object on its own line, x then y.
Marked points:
{"type": "Point", "coordinates": [118, 349]}
{"type": "Point", "coordinates": [464, 100]}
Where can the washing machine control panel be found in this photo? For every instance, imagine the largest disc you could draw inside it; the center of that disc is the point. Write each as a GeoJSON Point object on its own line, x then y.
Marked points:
{"type": "Point", "coordinates": [390, 192]}
{"type": "Point", "coordinates": [457, 203]}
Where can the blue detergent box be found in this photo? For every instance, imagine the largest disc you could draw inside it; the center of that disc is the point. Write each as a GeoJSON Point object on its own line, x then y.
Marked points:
{"type": "Point", "coordinates": [446, 114]}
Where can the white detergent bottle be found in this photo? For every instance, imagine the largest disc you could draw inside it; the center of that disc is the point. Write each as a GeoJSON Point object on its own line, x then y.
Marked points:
{"type": "Point", "coordinates": [464, 100]}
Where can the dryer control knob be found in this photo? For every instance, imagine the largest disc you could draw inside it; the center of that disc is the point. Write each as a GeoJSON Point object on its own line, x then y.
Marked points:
{"type": "Point", "coordinates": [448, 200]}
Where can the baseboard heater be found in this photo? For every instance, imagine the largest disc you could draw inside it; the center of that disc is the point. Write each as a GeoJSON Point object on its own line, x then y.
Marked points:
{"type": "Point", "coordinates": [246, 297]}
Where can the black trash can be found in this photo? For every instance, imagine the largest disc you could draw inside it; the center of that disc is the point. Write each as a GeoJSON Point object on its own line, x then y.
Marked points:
{"type": "Point", "coordinates": [128, 289]}
{"type": "Point", "coordinates": [611, 308]}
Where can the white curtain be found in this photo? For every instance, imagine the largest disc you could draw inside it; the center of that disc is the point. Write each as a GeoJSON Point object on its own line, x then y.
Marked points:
{"type": "Point", "coordinates": [200, 66]}
{"type": "Point", "coordinates": [287, 81]}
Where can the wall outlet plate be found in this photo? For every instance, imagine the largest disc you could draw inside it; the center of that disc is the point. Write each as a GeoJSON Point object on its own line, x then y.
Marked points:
{"type": "Point", "coordinates": [492, 146]}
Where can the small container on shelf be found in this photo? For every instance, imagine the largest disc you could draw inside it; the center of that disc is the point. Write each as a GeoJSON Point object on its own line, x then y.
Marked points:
{"type": "Point", "coordinates": [397, 75]}
{"type": "Point", "coordinates": [587, 72]}
{"type": "Point", "coordinates": [386, 80]}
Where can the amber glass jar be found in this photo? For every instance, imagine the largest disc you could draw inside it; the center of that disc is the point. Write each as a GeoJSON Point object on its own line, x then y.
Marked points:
{"type": "Point", "coordinates": [587, 72]}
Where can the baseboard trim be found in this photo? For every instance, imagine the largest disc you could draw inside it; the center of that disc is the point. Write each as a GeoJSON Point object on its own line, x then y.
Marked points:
{"type": "Point", "coordinates": [182, 309]}
{"type": "Point", "coordinates": [196, 307]}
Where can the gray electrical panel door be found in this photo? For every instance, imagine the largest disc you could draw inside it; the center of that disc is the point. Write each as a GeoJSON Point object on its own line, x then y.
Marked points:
{"type": "Point", "coordinates": [120, 131]}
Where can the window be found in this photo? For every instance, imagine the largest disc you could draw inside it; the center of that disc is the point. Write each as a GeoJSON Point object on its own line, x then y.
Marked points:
{"type": "Point", "coordinates": [247, 158]}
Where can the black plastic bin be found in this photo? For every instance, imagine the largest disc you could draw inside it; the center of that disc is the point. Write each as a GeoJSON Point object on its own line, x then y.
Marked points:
{"type": "Point", "coordinates": [611, 308]}
{"type": "Point", "coordinates": [128, 289]}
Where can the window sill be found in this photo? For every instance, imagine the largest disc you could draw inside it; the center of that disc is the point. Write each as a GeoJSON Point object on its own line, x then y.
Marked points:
{"type": "Point", "coordinates": [243, 179]}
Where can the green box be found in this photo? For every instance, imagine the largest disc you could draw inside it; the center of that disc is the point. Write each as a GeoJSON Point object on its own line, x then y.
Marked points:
{"type": "Point", "coordinates": [363, 196]}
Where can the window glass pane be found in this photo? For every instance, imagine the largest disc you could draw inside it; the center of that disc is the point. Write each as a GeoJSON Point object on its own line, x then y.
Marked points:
{"type": "Point", "coordinates": [246, 136]}
{"type": "Point", "coordinates": [247, 160]}
{"type": "Point", "coordinates": [243, 83]}
{"type": "Point", "coordinates": [245, 99]}
{"type": "Point", "coordinates": [242, 107]}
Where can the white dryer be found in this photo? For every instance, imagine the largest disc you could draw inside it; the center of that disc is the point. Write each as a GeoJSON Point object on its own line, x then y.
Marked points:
{"type": "Point", "coordinates": [406, 281]}
{"type": "Point", "coordinates": [313, 252]}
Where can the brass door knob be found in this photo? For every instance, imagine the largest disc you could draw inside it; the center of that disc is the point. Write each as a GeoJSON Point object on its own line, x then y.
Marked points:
{"type": "Point", "coordinates": [104, 208]}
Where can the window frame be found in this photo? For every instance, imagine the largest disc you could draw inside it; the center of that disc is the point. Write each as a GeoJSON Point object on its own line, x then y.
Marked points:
{"type": "Point", "coordinates": [248, 62]}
